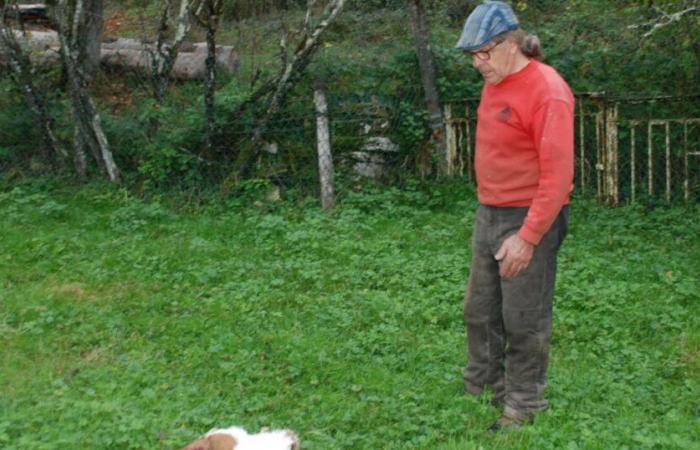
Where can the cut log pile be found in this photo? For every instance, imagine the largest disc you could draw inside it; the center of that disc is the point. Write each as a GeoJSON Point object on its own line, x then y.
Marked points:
{"type": "Point", "coordinates": [190, 63]}
{"type": "Point", "coordinates": [131, 54]}
{"type": "Point", "coordinates": [34, 13]}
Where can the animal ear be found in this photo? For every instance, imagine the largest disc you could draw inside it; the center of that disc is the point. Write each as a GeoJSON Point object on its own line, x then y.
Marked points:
{"type": "Point", "coordinates": [199, 444]}
{"type": "Point", "coordinates": [220, 441]}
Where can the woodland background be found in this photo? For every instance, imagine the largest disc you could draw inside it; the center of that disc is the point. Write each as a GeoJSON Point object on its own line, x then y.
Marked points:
{"type": "Point", "coordinates": [216, 132]}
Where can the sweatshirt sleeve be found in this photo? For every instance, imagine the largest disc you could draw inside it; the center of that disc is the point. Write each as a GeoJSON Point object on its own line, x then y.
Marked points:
{"type": "Point", "coordinates": [553, 132]}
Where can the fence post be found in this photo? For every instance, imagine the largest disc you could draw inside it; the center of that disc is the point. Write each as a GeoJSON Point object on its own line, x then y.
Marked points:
{"type": "Point", "coordinates": [450, 139]}
{"type": "Point", "coordinates": [633, 161]}
{"type": "Point", "coordinates": [611, 159]}
{"type": "Point", "coordinates": [600, 149]}
{"type": "Point", "coordinates": [650, 160]}
{"type": "Point", "coordinates": [325, 159]}
{"type": "Point", "coordinates": [582, 149]}
{"type": "Point", "coordinates": [686, 184]}
{"type": "Point", "coordinates": [668, 161]}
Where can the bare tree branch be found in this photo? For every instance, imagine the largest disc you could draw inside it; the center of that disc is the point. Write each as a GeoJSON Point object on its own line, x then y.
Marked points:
{"type": "Point", "coordinates": [665, 19]}
{"type": "Point", "coordinates": [284, 56]}
{"type": "Point", "coordinates": [300, 60]}
{"type": "Point", "coordinates": [280, 85]}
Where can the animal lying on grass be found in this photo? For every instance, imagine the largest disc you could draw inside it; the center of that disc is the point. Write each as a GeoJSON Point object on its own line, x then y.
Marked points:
{"type": "Point", "coordinates": [235, 438]}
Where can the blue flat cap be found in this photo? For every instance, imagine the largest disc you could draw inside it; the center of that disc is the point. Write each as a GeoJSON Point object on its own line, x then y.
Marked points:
{"type": "Point", "coordinates": [484, 23]}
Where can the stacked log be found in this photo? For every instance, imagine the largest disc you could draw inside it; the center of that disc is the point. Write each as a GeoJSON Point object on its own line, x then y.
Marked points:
{"type": "Point", "coordinates": [124, 53]}
{"type": "Point", "coordinates": [119, 54]}
{"type": "Point", "coordinates": [35, 13]}
{"type": "Point", "coordinates": [131, 54]}
{"type": "Point", "coordinates": [188, 65]}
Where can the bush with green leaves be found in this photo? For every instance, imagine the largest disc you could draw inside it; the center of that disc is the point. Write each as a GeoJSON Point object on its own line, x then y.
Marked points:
{"type": "Point", "coordinates": [367, 56]}
{"type": "Point", "coordinates": [18, 136]}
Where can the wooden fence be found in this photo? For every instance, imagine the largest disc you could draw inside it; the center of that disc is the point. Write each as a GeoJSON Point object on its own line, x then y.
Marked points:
{"type": "Point", "coordinates": [628, 150]}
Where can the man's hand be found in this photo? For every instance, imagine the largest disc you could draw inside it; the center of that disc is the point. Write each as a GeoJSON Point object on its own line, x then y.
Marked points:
{"type": "Point", "coordinates": [514, 256]}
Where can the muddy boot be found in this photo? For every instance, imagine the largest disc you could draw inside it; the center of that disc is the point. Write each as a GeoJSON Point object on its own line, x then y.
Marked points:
{"type": "Point", "coordinates": [508, 423]}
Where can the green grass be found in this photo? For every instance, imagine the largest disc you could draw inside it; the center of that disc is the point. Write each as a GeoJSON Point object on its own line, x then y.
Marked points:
{"type": "Point", "coordinates": [134, 324]}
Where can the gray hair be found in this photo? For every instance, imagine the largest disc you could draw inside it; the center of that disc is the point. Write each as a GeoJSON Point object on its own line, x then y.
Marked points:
{"type": "Point", "coordinates": [529, 43]}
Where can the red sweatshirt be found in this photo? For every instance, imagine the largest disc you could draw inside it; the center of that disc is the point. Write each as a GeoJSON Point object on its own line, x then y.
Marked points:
{"type": "Point", "coordinates": [525, 145]}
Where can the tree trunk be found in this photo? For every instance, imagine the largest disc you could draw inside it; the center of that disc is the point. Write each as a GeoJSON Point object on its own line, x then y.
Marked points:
{"type": "Point", "coordinates": [325, 159]}
{"type": "Point", "coordinates": [163, 59]}
{"type": "Point", "coordinates": [21, 69]}
{"type": "Point", "coordinates": [79, 157]}
{"type": "Point", "coordinates": [421, 34]}
{"type": "Point", "coordinates": [212, 21]}
{"type": "Point", "coordinates": [82, 20]}
{"type": "Point", "coordinates": [93, 24]}
{"type": "Point", "coordinates": [88, 122]}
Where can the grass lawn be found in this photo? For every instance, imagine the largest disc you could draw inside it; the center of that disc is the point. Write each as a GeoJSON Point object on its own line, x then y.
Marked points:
{"type": "Point", "coordinates": [134, 324]}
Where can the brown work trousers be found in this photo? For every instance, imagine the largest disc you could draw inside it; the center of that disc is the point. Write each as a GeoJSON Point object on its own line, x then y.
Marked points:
{"type": "Point", "coordinates": [509, 320]}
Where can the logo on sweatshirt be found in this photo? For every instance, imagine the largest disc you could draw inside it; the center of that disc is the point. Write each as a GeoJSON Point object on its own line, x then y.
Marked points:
{"type": "Point", "coordinates": [505, 114]}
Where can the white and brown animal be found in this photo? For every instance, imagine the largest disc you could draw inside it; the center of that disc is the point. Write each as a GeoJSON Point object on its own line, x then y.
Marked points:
{"type": "Point", "coordinates": [235, 438]}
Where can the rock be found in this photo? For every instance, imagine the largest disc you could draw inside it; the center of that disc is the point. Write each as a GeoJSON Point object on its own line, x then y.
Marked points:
{"type": "Point", "coordinates": [371, 161]}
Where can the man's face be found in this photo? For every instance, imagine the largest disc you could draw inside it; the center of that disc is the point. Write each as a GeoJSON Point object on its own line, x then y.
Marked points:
{"type": "Point", "coordinates": [494, 61]}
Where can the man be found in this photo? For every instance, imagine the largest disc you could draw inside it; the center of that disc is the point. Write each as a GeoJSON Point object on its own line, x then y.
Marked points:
{"type": "Point", "coordinates": [524, 172]}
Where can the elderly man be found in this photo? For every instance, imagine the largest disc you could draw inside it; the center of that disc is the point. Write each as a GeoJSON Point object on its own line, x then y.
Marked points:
{"type": "Point", "coordinates": [524, 171]}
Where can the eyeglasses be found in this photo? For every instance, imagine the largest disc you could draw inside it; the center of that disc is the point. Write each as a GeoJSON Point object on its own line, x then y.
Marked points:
{"type": "Point", "coordinates": [485, 55]}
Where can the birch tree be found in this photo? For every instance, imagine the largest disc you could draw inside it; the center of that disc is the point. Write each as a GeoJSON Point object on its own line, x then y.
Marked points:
{"type": "Point", "coordinates": [164, 55]}
{"type": "Point", "coordinates": [208, 16]}
{"type": "Point", "coordinates": [74, 31]}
